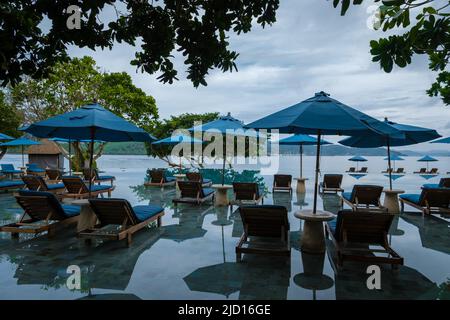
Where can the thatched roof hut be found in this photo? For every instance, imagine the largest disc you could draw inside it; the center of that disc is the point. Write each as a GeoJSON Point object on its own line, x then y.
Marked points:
{"type": "Point", "coordinates": [46, 155]}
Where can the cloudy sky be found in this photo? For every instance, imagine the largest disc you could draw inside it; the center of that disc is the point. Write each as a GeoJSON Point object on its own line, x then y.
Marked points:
{"type": "Point", "coordinates": [309, 49]}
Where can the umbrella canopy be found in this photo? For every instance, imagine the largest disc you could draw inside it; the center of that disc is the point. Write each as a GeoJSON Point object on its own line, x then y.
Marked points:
{"type": "Point", "coordinates": [443, 140]}
{"type": "Point", "coordinates": [92, 122]}
{"type": "Point", "coordinates": [412, 135]}
{"type": "Point", "coordinates": [173, 140]}
{"type": "Point", "coordinates": [358, 159]}
{"type": "Point", "coordinates": [21, 142]}
{"type": "Point", "coordinates": [427, 158]}
{"type": "Point", "coordinates": [394, 157]}
{"type": "Point", "coordinates": [225, 125]}
{"type": "Point", "coordinates": [81, 123]}
{"type": "Point", "coordinates": [323, 115]}
{"type": "Point", "coordinates": [5, 137]}
{"type": "Point", "coordinates": [301, 140]}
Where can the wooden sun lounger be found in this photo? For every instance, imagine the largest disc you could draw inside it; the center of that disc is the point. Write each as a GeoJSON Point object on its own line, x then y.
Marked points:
{"type": "Point", "coordinates": [282, 182]}
{"type": "Point", "coordinates": [331, 183]}
{"type": "Point", "coordinates": [118, 220]}
{"type": "Point", "coordinates": [246, 193]}
{"type": "Point", "coordinates": [159, 179]}
{"type": "Point", "coordinates": [428, 201]}
{"type": "Point", "coordinates": [261, 222]}
{"type": "Point", "coordinates": [433, 171]}
{"type": "Point", "coordinates": [96, 177]}
{"type": "Point", "coordinates": [365, 197]}
{"type": "Point", "coordinates": [37, 183]}
{"type": "Point", "coordinates": [354, 233]}
{"type": "Point", "coordinates": [45, 213]}
{"type": "Point", "coordinates": [192, 192]}
{"type": "Point", "coordinates": [388, 170]}
{"type": "Point", "coordinates": [196, 176]}
{"type": "Point", "coordinates": [6, 185]}
{"type": "Point", "coordinates": [421, 171]}
{"type": "Point", "coordinates": [77, 189]}
{"type": "Point", "coordinates": [363, 170]}
{"type": "Point", "coordinates": [54, 174]}
{"type": "Point", "coordinates": [400, 170]}
{"type": "Point", "coordinates": [34, 169]}
{"type": "Point", "coordinates": [351, 170]}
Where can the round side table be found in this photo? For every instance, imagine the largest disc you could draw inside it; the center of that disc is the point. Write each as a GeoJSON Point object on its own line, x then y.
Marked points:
{"type": "Point", "coordinates": [313, 238]}
{"type": "Point", "coordinates": [301, 187]}
{"type": "Point", "coordinates": [391, 200]}
{"type": "Point", "coordinates": [87, 219]}
{"type": "Point", "coordinates": [221, 194]}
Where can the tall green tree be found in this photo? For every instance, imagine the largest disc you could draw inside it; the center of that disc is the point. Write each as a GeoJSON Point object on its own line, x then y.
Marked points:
{"type": "Point", "coordinates": [428, 33]}
{"type": "Point", "coordinates": [10, 120]}
{"type": "Point", "coordinates": [166, 127]}
{"type": "Point", "coordinates": [198, 29]}
{"type": "Point", "coordinates": [77, 82]}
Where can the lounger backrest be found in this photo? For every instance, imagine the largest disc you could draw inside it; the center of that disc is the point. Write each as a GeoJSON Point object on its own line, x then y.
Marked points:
{"type": "Point", "coordinates": [435, 197]}
{"type": "Point", "coordinates": [35, 183]}
{"type": "Point", "coordinates": [363, 227]}
{"type": "Point", "coordinates": [332, 181]}
{"type": "Point", "coordinates": [38, 205]}
{"type": "Point", "coordinates": [191, 189]}
{"type": "Point", "coordinates": [282, 180]}
{"type": "Point", "coordinates": [75, 185]}
{"type": "Point", "coordinates": [444, 183]}
{"type": "Point", "coordinates": [157, 176]}
{"type": "Point", "coordinates": [364, 169]}
{"type": "Point", "coordinates": [265, 220]}
{"type": "Point", "coordinates": [8, 167]}
{"type": "Point", "coordinates": [53, 174]}
{"type": "Point", "coordinates": [246, 190]}
{"type": "Point", "coordinates": [32, 166]}
{"type": "Point", "coordinates": [434, 170]}
{"type": "Point", "coordinates": [113, 211]}
{"type": "Point", "coordinates": [352, 169]}
{"type": "Point", "coordinates": [366, 194]}
{"type": "Point", "coordinates": [194, 176]}
{"type": "Point", "coordinates": [87, 174]}
{"type": "Point", "coordinates": [423, 170]}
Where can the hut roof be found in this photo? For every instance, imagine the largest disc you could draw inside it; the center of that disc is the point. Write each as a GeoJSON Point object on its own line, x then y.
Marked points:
{"type": "Point", "coordinates": [46, 147]}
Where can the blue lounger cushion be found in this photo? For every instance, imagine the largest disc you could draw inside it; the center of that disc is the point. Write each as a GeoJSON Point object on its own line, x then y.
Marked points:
{"type": "Point", "coordinates": [170, 179]}
{"type": "Point", "coordinates": [414, 198]}
{"type": "Point", "coordinates": [106, 178]}
{"type": "Point", "coordinates": [70, 211]}
{"type": "Point", "coordinates": [143, 213]}
{"type": "Point", "coordinates": [33, 169]}
{"type": "Point", "coordinates": [347, 196]}
{"type": "Point", "coordinates": [430, 186]}
{"type": "Point", "coordinates": [207, 191]}
{"type": "Point", "coordinates": [99, 187]}
{"type": "Point", "coordinates": [207, 180]}
{"type": "Point", "coordinates": [332, 224]}
{"type": "Point", "coordinates": [11, 184]}
{"type": "Point", "coordinates": [55, 186]}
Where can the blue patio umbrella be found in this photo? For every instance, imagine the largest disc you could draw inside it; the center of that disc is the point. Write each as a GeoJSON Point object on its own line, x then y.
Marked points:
{"type": "Point", "coordinates": [443, 140]}
{"type": "Point", "coordinates": [5, 137]}
{"type": "Point", "coordinates": [357, 159]}
{"type": "Point", "coordinates": [92, 122]}
{"type": "Point", "coordinates": [301, 140]}
{"type": "Point", "coordinates": [412, 135]}
{"type": "Point", "coordinates": [21, 142]}
{"type": "Point", "coordinates": [427, 159]}
{"type": "Point", "coordinates": [322, 115]}
{"type": "Point", "coordinates": [393, 157]}
{"type": "Point", "coordinates": [225, 125]}
{"type": "Point", "coordinates": [177, 139]}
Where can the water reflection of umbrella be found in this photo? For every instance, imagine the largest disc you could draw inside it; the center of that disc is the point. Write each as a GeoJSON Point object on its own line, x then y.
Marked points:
{"type": "Point", "coordinates": [222, 221]}
{"type": "Point", "coordinates": [323, 115]}
{"type": "Point", "coordinates": [394, 176]}
{"type": "Point", "coordinates": [357, 175]}
{"type": "Point", "coordinates": [91, 122]}
{"type": "Point", "coordinates": [411, 135]}
{"type": "Point", "coordinates": [428, 176]}
{"type": "Point", "coordinates": [301, 140]}
{"type": "Point", "coordinates": [427, 159]}
{"type": "Point", "coordinates": [189, 225]}
{"type": "Point", "coordinates": [357, 159]}
{"type": "Point", "coordinates": [21, 142]}
{"type": "Point", "coordinates": [312, 277]}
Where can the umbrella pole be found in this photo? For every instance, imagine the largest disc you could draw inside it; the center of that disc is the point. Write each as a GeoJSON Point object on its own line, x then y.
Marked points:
{"type": "Point", "coordinates": [70, 158]}
{"type": "Point", "coordinates": [23, 160]}
{"type": "Point", "coordinates": [224, 160]}
{"type": "Point", "coordinates": [389, 163]}
{"type": "Point", "coordinates": [316, 182]}
{"type": "Point", "coordinates": [91, 159]}
{"type": "Point", "coordinates": [301, 161]}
